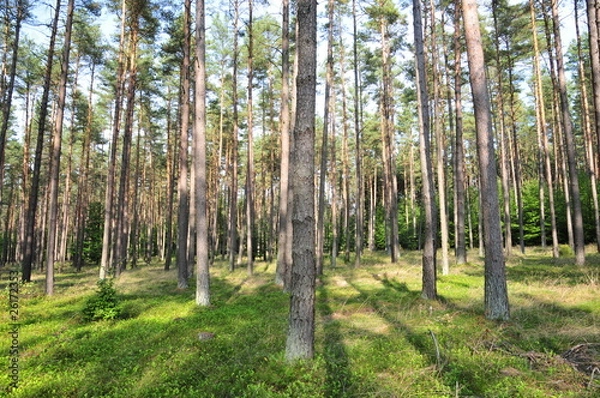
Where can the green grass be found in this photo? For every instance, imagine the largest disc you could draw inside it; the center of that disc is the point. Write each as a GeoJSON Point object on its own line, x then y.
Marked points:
{"type": "Point", "coordinates": [375, 336]}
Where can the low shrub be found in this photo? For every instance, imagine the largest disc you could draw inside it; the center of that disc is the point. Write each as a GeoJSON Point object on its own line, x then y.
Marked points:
{"type": "Point", "coordinates": [104, 304]}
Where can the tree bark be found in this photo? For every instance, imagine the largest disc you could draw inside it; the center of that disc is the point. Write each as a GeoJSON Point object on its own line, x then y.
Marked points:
{"type": "Point", "coordinates": [389, 163]}
{"type": "Point", "coordinates": [496, 296]}
{"type": "Point", "coordinates": [594, 45]}
{"type": "Point", "coordinates": [429, 285]}
{"type": "Point", "coordinates": [109, 225]}
{"type": "Point", "coordinates": [300, 336]}
{"type": "Point", "coordinates": [283, 251]}
{"type": "Point", "coordinates": [182, 184]}
{"type": "Point", "coordinates": [325, 139]}
{"type": "Point", "coordinates": [359, 189]}
{"type": "Point", "coordinates": [250, 155]}
{"type": "Point", "coordinates": [29, 249]}
{"type": "Point", "coordinates": [56, 150]}
{"type": "Point", "coordinates": [7, 93]}
{"type": "Point", "coordinates": [233, 235]}
{"type": "Point", "coordinates": [542, 133]}
{"type": "Point", "coordinates": [569, 141]}
{"type": "Point", "coordinates": [199, 143]}
{"type": "Point", "coordinates": [459, 165]}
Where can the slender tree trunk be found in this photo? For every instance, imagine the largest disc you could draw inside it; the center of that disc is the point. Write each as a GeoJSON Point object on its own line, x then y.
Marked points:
{"type": "Point", "coordinates": [182, 186]}
{"type": "Point", "coordinates": [325, 139]}
{"type": "Point", "coordinates": [516, 159]}
{"type": "Point", "coordinates": [333, 174]}
{"type": "Point", "coordinates": [199, 142]}
{"type": "Point", "coordinates": [502, 137]}
{"type": "Point", "coordinates": [429, 285]}
{"type": "Point", "coordinates": [109, 225]}
{"type": "Point", "coordinates": [542, 133]}
{"type": "Point", "coordinates": [170, 187]}
{"type": "Point", "coordinates": [7, 92]}
{"type": "Point", "coordinates": [569, 141]}
{"type": "Point", "coordinates": [359, 189]}
{"type": "Point", "coordinates": [594, 46]}
{"type": "Point", "coordinates": [123, 207]}
{"type": "Point", "coordinates": [440, 146]}
{"type": "Point", "coordinates": [250, 156]}
{"type": "Point", "coordinates": [459, 165]}
{"type": "Point", "coordinates": [496, 296]}
{"type": "Point", "coordinates": [29, 249]}
{"type": "Point", "coordinates": [233, 235]}
{"type": "Point", "coordinates": [135, 222]}
{"type": "Point", "coordinates": [300, 337]}
{"type": "Point", "coordinates": [56, 150]}
{"type": "Point", "coordinates": [389, 163]}
{"type": "Point", "coordinates": [283, 253]}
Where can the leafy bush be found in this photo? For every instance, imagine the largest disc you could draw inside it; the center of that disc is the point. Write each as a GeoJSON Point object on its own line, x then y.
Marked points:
{"type": "Point", "coordinates": [104, 304]}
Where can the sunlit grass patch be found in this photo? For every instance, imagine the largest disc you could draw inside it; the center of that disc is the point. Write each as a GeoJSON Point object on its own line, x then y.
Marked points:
{"type": "Point", "coordinates": [375, 335]}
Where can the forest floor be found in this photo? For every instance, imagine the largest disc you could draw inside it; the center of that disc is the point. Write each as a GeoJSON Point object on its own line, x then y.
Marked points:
{"type": "Point", "coordinates": [375, 336]}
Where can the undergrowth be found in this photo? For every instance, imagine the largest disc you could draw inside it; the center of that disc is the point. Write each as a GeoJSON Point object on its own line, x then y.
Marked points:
{"type": "Point", "coordinates": [375, 335]}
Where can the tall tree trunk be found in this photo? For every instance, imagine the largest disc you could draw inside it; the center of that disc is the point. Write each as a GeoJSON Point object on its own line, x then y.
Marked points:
{"type": "Point", "coordinates": [542, 133]}
{"type": "Point", "coordinates": [183, 205]}
{"type": "Point", "coordinates": [496, 296]}
{"type": "Point", "coordinates": [170, 187]}
{"type": "Point", "coordinates": [325, 139]}
{"type": "Point", "coordinates": [594, 45]}
{"type": "Point", "coordinates": [569, 141]}
{"type": "Point", "coordinates": [109, 224]}
{"type": "Point", "coordinates": [389, 163]}
{"type": "Point", "coordinates": [82, 183]}
{"type": "Point", "coordinates": [56, 150]}
{"type": "Point", "coordinates": [135, 222]}
{"type": "Point", "coordinates": [123, 207]}
{"type": "Point", "coordinates": [502, 137]}
{"type": "Point", "coordinates": [459, 156]}
{"type": "Point", "coordinates": [429, 284]}
{"type": "Point", "coordinates": [233, 235]}
{"type": "Point", "coordinates": [250, 156]}
{"type": "Point", "coordinates": [587, 128]}
{"type": "Point", "coordinates": [333, 174]}
{"type": "Point", "coordinates": [29, 249]}
{"type": "Point", "coordinates": [199, 144]}
{"type": "Point", "coordinates": [516, 159]}
{"type": "Point", "coordinates": [300, 336]}
{"type": "Point", "coordinates": [551, 182]}
{"type": "Point", "coordinates": [7, 93]}
{"type": "Point", "coordinates": [283, 251]}
{"type": "Point", "coordinates": [359, 188]}
{"type": "Point", "coordinates": [440, 146]}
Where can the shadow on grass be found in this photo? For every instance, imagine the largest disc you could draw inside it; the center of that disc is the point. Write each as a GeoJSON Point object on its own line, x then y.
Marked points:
{"type": "Point", "coordinates": [467, 373]}
{"type": "Point", "coordinates": [552, 271]}
{"type": "Point", "coordinates": [338, 380]}
{"type": "Point", "coordinates": [156, 350]}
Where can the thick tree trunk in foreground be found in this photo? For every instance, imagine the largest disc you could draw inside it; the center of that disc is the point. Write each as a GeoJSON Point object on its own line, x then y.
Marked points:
{"type": "Point", "coordinates": [300, 337]}
{"type": "Point", "coordinates": [496, 296]}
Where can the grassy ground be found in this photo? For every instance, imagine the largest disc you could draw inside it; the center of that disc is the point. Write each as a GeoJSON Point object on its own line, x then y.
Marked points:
{"type": "Point", "coordinates": [375, 336]}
